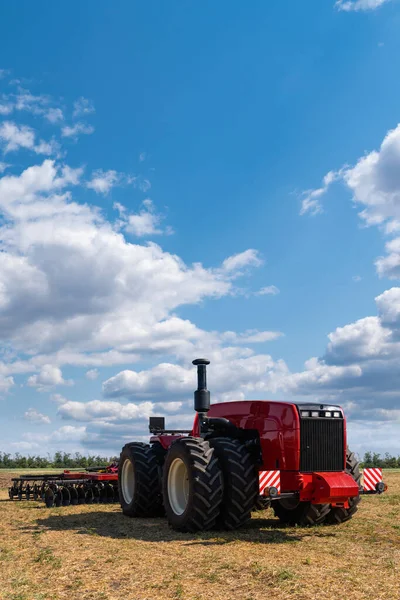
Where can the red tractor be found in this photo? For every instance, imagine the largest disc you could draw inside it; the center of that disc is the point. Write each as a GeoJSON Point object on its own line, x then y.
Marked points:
{"type": "Point", "coordinates": [293, 457]}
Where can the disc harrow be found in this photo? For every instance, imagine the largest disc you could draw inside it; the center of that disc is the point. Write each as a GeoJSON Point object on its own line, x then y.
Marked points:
{"type": "Point", "coordinates": [92, 486]}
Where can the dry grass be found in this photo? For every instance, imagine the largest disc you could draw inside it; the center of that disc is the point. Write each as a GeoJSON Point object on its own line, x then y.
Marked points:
{"type": "Point", "coordinates": [94, 553]}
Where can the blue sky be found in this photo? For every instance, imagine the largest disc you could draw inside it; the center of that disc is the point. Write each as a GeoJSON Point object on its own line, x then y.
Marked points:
{"type": "Point", "coordinates": [141, 140]}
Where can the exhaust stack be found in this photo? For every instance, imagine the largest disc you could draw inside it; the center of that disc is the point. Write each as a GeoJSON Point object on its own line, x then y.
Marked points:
{"type": "Point", "coordinates": [201, 395]}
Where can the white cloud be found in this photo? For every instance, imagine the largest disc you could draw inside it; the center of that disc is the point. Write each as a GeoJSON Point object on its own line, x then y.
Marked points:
{"type": "Point", "coordinates": [270, 290]}
{"type": "Point", "coordinates": [144, 224]}
{"type": "Point", "coordinates": [92, 374]}
{"type": "Point", "coordinates": [311, 202]}
{"type": "Point", "coordinates": [359, 369]}
{"type": "Point", "coordinates": [89, 296]}
{"type": "Point", "coordinates": [103, 181]}
{"type": "Point", "coordinates": [248, 258]}
{"type": "Point", "coordinates": [24, 100]}
{"type": "Point", "coordinates": [359, 5]}
{"type": "Point", "coordinates": [48, 377]}
{"type": "Point", "coordinates": [15, 137]}
{"type": "Point", "coordinates": [83, 106]}
{"type": "Point", "coordinates": [5, 384]}
{"type": "Point", "coordinates": [232, 375]}
{"type": "Point", "coordinates": [142, 156]}
{"type": "Point", "coordinates": [111, 411]}
{"type": "Point", "coordinates": [58, 399]}
{"type": "Point", "coordinates": [143, 184]}
{"type": "Point", "coordinates": [356, 278]}
{"type": "Point", "coordinates": [66, 435]}
{"type": "Point", "coordinates": [171, 407]}
{"type": "Point", "coordinates": [54, 115]}
{"type": "Point", "coordinates": [6, 108]}
{"type": "Point", "coordinates": [25, 446]}
{"type": "Point", "coordinates": [374, 182]}
{"type": "Point", "coordinates": [36, 417]}
{"type": "Point", "coordinates": [75, 130]}
{"type": "Point", "coordinates": [250, 337]}
{"type": "Point", "coordinates": [3, 167]}
{"type": "Point", "coordinates": [28, 102]}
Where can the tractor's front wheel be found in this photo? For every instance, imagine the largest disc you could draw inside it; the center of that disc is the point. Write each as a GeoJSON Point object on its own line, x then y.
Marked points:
{"type": "Point", "coordinates": [138, 481]}
{"type": "Point", "coordinates": [293, 512]}
{"type": "Point", "coordinates": [338, 514]}
{"type": "Point", "coordinates": [192, 485]}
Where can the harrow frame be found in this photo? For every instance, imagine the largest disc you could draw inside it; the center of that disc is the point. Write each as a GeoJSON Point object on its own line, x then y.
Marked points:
{"type": "Point", "coordinates": [62, 489]}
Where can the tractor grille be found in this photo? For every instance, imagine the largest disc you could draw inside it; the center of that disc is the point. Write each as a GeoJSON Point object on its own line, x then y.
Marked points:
{"type": "Point", "coordinates": [321, 444]}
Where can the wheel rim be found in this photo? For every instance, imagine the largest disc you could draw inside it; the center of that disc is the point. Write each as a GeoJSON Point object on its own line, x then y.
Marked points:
{"type": "Point", "coordinates": [178, 486]}
{"type": "Point", "coordinates": [289, 503]}
{"type": "Point", "coordinates": [128, 481]}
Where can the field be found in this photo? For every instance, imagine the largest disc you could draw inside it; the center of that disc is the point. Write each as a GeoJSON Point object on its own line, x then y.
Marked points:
{"type": "Point", "coordinates": [94, 553]}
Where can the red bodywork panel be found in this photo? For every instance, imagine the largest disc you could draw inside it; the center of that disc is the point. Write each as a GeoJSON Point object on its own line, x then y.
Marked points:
{"type": "Point", "coordinates": [278, 427]}
{"type": "Point", "coordinates": [111, 476]}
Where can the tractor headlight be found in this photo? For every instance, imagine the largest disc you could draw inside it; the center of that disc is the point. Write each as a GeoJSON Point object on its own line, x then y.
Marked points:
{"type": "Point", "coordinates": [328, 413]}
{"type": "Point", "coordinates": [305, 413]}
{"type": "Point", "coordinates": [315, 413]}
{"type": "Point", "coordinates": [336, 413]}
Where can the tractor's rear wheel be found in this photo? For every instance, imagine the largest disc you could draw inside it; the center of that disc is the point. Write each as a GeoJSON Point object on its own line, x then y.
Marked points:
{"type": "Point", "coordinates": [293, 512]}
{"type": "Point", "coordinates": [338, 514]}
{"type": "Point", "coordinates": [192, 485]}
{"type": "Point", "coordinates": [138, 481]}
{"type": "Point", "coordinates": [240, 482]}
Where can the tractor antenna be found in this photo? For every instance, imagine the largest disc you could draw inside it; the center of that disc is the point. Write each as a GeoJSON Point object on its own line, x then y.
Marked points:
{"type": "Point", "coordinates": [201, 395]}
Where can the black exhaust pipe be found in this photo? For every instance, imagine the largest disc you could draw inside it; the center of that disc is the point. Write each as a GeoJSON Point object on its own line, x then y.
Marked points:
{"type": "Point", "coordinates": [202, 403]}
{"type": "Point", "coordinates": [201, 395]}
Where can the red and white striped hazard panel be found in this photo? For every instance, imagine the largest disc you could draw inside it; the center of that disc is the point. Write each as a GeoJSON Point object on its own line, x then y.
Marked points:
{"type": "Point", "coordinates": [269, 479]}
{"type": "Point", "coordinates": [371, 478]}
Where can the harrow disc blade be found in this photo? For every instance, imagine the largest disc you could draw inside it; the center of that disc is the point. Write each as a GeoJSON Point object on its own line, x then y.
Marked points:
{"type": "Point", "coordinates": [81, 495]}
{"type": "Point", "coordinates": [65, 496]}
{"type": "Point", "coordinates": [49, 497]}
{"type": "Point", "coordinates": [109, 493]}
{"type": "Point", "coordinates": [89, 495]}
{"type": "Point", "coordinates": [57, 498]}
{"type": "Point", "coordinates": [96, 494]}
{"type": "Point", "coordinates": [74, 495]}
{"type": "Point", "coordinates": [103, 494]}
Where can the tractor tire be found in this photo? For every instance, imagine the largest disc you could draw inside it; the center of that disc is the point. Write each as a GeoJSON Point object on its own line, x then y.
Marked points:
{"type": "Point", "coordinates": [300, 513]}
{"type": "Point", "coordinates": [339, 514]}
{"type": "Point", "coordinates": [240, 482]}
{"type": "Point", "coordinates": [192, 485]}
{"type": "Point", "coordinates": [139, 487]}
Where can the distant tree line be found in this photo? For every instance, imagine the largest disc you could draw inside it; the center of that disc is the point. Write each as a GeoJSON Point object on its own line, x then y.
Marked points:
{"type": "Point", "coordinates": [60, 460]}
{"type": "Point", "coordinates": [373, 459]}
{"type": "Point", "coordinates": [64, 460]}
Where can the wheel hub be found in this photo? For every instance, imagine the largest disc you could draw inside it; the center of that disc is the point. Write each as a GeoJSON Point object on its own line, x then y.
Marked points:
{"type": "Point", "coordinates": [178, 486]}
{"type": "Point", "coordinates": [128, 481]}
